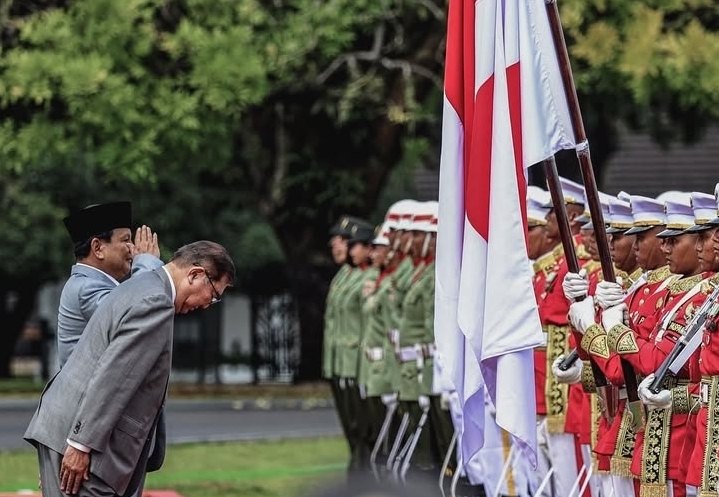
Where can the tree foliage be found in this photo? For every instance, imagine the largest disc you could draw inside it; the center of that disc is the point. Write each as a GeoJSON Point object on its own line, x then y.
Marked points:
{"type": "Point", "coordinates": [256, 123]}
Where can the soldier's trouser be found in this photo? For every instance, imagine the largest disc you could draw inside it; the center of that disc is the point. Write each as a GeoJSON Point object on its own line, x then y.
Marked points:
{"type": "Point", "coordinates": [357, 427]}
{"type": "Point", "coordinates": [339, 406]}
{"type": "Point", "coordinates": [442, 430]}
{"type": "Point", "coordinates": [423, 457]}
{"type": "Point", "coordinates": [344, 409]}
{"type": "Point", "coordinates": [376, 411]}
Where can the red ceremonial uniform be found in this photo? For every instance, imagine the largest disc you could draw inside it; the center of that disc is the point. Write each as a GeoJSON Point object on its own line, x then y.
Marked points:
{"type": "Point", "coordinates": [660, 456]}
{"type": "Point", "coordinates": [545, 273]}
{"type": "Point", "coordinates": [701, 454]}
{"type": "Point", "coordinates": [643, 303]}
{"type": "Point", "coordinates": [563, 401]}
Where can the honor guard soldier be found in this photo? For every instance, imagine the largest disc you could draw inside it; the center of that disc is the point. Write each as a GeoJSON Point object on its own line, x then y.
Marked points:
{"type": "Point", "coordinates": [378, 364]}
{"type": "Point", "coordinates": [657, 462]}
{"type": "Point", "coordinates": [699, 456]}
{"type": "Point", "coordinates": [349, 336]}
{"type": "Point", "coordinates": [416, 337]}
{"type": "Point", "coordinates": [562, 432]}
{"type": "Point", "coordinates": [339, 233]}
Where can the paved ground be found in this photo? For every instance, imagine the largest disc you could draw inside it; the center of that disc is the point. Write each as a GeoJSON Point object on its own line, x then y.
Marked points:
{"type": "Point", "coordinates": [207, 420]}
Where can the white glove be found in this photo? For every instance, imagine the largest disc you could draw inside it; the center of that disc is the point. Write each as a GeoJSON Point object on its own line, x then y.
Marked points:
{"type": "Point", "coordinates": [661, 400]}
{"type": "Point", "coordinates": [582, 315]}
{"type": "Point", "coordinates": [613, 316]}
{"type": "Point", "coordinates": [575, 285]}
{"type": "Point", "coordinates": [571, 375]}
{"type": "Point", "coordinates": [389, 399]}
{"type": "Point", "coordinates": [609, 294]}
{"type": "Point", "coordinates": [423, 402]}
{"type": "Point", "coordinates": [444, 400]}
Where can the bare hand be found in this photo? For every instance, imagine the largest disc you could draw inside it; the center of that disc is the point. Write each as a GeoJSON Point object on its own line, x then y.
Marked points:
{"type": "Point", "coordinates": [74, 469]}
{"type": "Point", "coordinates": [146, 242]}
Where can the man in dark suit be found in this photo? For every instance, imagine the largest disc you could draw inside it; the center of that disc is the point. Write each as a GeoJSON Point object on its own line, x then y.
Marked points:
{"type": "Point", "coordinates": [93, 425]}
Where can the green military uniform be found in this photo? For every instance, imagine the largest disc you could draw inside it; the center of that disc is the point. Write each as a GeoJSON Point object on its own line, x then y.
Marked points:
{"type": "Point", "coordinates": [330, 321]}
{"type": "Point", "coordinates": [346, 364]}
{"type": "Point", "coordinates": [415, 335]}
{"type": "Point", "coordinates": [378, 364]}
{"type": "Point", "coordinates": [329, 345]}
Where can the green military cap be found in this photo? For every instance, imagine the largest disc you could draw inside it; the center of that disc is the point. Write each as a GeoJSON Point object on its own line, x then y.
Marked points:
{"type": "Point", "coordinates": [342, 227]}
{"type": "Point", "coordinates": [361, 231]}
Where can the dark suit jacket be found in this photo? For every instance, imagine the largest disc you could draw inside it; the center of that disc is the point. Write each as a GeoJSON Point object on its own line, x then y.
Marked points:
{"type": "Point", "coordinates": [108, 394]}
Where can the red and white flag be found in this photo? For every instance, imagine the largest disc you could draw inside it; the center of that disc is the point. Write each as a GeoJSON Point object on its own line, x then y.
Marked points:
{"type": "Point", "coordinates": [504, 110]}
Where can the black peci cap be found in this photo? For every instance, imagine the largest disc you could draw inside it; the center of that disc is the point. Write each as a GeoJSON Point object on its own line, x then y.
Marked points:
{"type": "Point", "coordinates": [98, 218]}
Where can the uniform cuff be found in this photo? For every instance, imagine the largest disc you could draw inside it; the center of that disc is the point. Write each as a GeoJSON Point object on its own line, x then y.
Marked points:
{"type": "Point", "coordinates": [78, 446]}
{"type": "Point", "coordinates": [594, 341]}
{"type": "Point", "coordinates": [621, 340]}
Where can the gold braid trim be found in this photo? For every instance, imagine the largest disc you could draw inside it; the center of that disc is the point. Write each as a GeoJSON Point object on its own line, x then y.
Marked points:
{"type": "Point", "coordinates": [621, 461]}
{"type": "Point", "coordinates": [683, 285]}
{"type": "Point", "coordinates": [710, 466]}
{"type": "Point", "coordinates": [545, 263]}
{"type": "Point", "coordinates": [653, 490]}
{"type": "Point", "coordinates": [588, 383]}
{"type": "Point", "coordinates": [633, 278]}
{"type": "Point", "coordinates": [680, 400]}
{"type": "Point", "coordinates": [621, 340]}
{"type": "Point", "coordinates": [556, 394]}
{"type": "Point", "coordinates": [654, 451]}
{"type": "Point", "coordinates": [659, 274]}
{"type": "Point", "coordinates": [620, 466]}
{"type": "Point", "coordinates": [594, 341]}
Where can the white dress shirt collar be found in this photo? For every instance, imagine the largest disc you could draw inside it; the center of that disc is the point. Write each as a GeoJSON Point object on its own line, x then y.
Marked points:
{"type": "Point", "coordinates": [172, 284]}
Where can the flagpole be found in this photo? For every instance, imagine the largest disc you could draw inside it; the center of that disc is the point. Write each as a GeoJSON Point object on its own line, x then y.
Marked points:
{"type": "Point", "coordinates": [590, 185]}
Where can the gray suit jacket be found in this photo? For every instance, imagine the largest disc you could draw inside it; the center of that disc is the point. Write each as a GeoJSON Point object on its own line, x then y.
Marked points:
{"type": "Point", "coordinates": [81, 295]}
{"type": "Point", "coordinates": [108, 394]}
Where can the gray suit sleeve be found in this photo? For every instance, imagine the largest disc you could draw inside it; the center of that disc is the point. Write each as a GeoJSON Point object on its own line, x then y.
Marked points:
{"type": "Point", "coordinates": [91, 294]}
{"type": "Point", "coordinates": [133, 350]}
{"type": "Point", "coordinates": [145, 262]}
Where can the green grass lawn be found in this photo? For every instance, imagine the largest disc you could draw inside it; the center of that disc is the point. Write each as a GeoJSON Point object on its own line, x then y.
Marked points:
{"type": "Point", "coordinates": [285, 468]}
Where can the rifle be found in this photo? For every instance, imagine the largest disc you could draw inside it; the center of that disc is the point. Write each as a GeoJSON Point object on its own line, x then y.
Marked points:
{"type": "Point", "coordinates": [690, 340]}
{"type": "Point", "coordinates": [595, 209]}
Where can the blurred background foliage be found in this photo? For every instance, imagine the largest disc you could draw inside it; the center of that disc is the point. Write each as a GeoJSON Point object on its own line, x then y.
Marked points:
{"type": "Point", "coordinates": [257, 123]}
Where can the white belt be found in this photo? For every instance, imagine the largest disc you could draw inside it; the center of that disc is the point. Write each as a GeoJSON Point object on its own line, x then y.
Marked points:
{"type": "Point", "coordinates": [622, 393]}
{"type": "Point", "coordinates": [406, 354]}
{"type": "Point", "coordinates": [429, 350]}
{"type": "Point", "coordinates": [374, 353]}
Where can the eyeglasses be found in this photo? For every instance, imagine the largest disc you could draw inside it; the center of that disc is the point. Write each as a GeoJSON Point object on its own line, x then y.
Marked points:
{"type": "Point", "coordinates": [216, 297]}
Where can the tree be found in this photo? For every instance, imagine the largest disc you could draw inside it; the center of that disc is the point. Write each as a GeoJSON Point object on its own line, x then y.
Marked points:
{"type": "Point", "coordinates": [212, 114]}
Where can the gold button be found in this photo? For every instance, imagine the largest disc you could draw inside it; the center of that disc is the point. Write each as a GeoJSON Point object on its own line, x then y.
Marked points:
{"type": "Point", "coordinates": [646, 291]}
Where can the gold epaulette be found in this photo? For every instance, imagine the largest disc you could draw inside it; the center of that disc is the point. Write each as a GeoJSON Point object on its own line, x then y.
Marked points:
{"type": "Point", "coordinates": [659, 274]}
{"type": "Point", "coordinates": [582, 252]}
{"type": "Point", "coordinates": [591, 266]}
{"type": "Point", "coordinates": [683, 285]}
{"type": "Point", "coordinates": [618, 273]}
{"type": "Point", "coordinates": [545, 262]}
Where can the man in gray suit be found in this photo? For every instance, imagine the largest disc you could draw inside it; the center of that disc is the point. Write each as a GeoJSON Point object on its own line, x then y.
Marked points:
{"type": "Point", "coordinates": [104, 254]}
{"type": "Point", "coordinates": [93, 423]}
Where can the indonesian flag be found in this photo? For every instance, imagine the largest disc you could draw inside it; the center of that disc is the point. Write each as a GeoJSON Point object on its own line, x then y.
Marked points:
{"type": "Point", "coordinates": [504, 110]}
